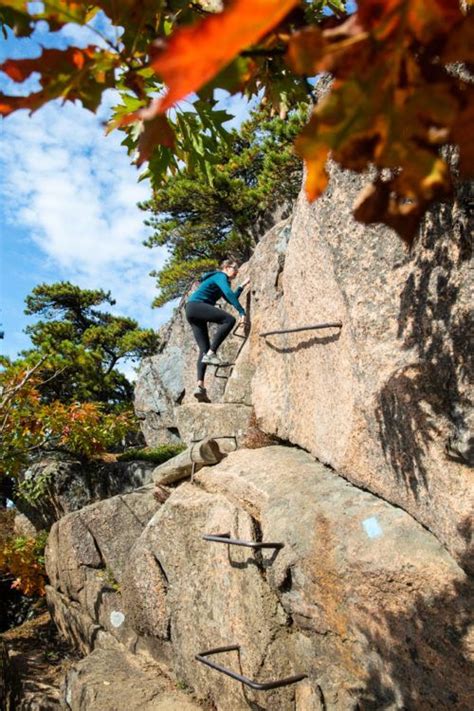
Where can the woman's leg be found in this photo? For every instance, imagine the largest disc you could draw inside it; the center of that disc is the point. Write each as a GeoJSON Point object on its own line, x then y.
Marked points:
{"type": "Point", "coordinates": [211, 314]}
{"type": "Point", "coordinates": [227, 323]}
{"type": "Point", "coordinates": [199, 328]}
{"type": "Point", "coordinates": [198, 312]}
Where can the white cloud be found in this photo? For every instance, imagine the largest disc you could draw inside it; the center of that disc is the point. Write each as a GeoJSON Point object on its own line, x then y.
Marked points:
{"type": "Point", "coordinates": [75, 191]}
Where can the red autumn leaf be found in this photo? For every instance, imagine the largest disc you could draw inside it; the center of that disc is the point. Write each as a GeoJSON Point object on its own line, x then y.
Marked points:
{"type": "Point", "coordinates": [73, 74]}
{"type": "Point", "coordinates": [195, 54]}
{"type": "Point", "coordinates": [336, 50]}
{"type": "Point", "coordinates": [9, 104]}
{"type": "Point", "coordinates": [316, 175]}
{"type": "Point", "coordinates": [305, 50]}
{"type": "Point", "coordinates": [377, 204]}
{"type": "Point", "coordinates": [459, 46]}
{"type": "Point", "coordinates": [51, 61]}
{"type": "Point", "coordinates": [315, 153]}
{"type": "Point", "coordinates": [429, 20]}
{"type": "Point", "coordinates": [156, 131]}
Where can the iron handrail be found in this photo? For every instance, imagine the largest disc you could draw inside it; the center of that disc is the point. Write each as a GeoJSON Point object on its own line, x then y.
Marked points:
{"type": "Point", "coordinates": [335, 324]}
{"type": "Point", "coordinates": [225, 538]}
{"type": "Point", "coordinates": [258, 686]}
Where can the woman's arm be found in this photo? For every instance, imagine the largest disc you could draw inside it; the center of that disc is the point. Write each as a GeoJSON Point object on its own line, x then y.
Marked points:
{"type": "Point", "coordinates": [229, 295]}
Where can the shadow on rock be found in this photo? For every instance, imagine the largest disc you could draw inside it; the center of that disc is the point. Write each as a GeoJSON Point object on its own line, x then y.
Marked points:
{"type": "Point", "coordinates": [432, 323]}
{"type": "Point", "coordinates": [425, 653]}
{"type": "Point", "coordinates": [304, 345]}
{"type": "Point", "coordinates": [406, 424]}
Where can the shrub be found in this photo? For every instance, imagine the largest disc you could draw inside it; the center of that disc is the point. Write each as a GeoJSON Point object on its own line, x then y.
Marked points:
{"type": "Point", "coordinates": [157, 455]}
{"type": "Point", "coordinates": [22, 558]}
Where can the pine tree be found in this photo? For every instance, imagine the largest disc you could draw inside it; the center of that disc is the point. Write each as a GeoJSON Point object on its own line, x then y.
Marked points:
{"type": "Point", "coordinates": [203, 218]}
{"type": "Point", "coordinates": [84, 344]}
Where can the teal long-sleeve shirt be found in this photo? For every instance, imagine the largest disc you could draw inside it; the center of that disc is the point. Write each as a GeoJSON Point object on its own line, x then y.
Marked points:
{"type": "Point", "coordinates": [215, 286]}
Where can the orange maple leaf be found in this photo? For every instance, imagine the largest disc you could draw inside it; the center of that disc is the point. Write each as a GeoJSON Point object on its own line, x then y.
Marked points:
{"type": "Point", "coordinates": [195, 54]}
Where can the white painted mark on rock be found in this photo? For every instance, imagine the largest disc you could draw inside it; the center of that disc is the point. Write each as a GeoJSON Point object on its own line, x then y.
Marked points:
{"type": "Point", "coordinates": [117, 618]}
{"type": "Point", "coordinates": [372, 527]}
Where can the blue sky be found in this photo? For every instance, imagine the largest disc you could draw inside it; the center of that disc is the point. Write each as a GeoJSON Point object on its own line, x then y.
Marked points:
{"type": "Point", "coordinates": [68, 198]}
{"type": "Point", "coordinates": [68, 202]}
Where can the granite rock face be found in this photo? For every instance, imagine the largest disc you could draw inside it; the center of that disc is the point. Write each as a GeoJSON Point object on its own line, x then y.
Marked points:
{"type": "Point", "coordinates": [387, 399]}
{"type": "Point", "coordinates": [370, 594]}
{"type": "Point", "coordinates": [136, 686]}
{"type": "Point", "coordinates": [86, 555]}
{"type": "Point", "coordinates": [380, 399]}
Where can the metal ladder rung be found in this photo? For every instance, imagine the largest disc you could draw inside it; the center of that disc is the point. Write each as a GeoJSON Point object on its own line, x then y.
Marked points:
{"type": "Point", "coordinates": [335, 324]}
{"type": "Point", "coordinates": [258, 686]}
{"type": "Point", "coordinates": [225, 538]}
{"type": "Point", "coordinates": [219, 367]}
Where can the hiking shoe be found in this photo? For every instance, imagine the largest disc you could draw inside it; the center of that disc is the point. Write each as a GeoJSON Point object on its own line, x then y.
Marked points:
{"type": "Point", "coordinates": [212, 359]}
{"type": "Point", "coordinates": [201, 394]}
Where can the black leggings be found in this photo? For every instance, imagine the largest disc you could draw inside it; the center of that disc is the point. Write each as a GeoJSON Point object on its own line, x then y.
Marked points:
{"type": "Point", "coordinates": [199, 315]}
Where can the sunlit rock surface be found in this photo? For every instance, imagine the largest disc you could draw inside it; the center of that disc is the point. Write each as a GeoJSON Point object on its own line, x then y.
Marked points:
{"type": "Point", "coordinates": [381, 399]}
{"type": "Point", "coordinates": [360, 597]}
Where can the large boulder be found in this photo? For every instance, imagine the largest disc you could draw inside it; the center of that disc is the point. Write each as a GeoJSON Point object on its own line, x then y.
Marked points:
{"type": "Point", "coordinates": [209, 597]}
{"type": "Point", "coordinates": [227, 423]}
{"type": "Point", "coordinates": [385, 400]}
{"type": "Point", "coordinates": [85, 557]}
{"type": "Point", "coordinates": [56, 486]}
{"type": "Point", "coordinates": [361, 598]}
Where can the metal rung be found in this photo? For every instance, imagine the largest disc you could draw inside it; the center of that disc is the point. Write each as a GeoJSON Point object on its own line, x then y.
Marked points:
{"type": "Point", "coordinates": [225, 538]}
{"type": "Point", "coordinates": [336, 324]}
{"type": "Point", "coordinates": [258, 686]}
{"type": "Point", "coordinates": [224, 377]}
{"type": "Point", "coordinates": [239, 325]}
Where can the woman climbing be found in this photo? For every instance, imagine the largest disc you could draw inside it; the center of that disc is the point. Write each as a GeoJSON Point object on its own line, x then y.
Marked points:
{"type": "Point", "coordinates": [201, 310]}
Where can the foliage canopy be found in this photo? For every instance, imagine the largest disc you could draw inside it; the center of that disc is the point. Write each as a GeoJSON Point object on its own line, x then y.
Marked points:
{"type": "Point", "coordinates": [394, 104]}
